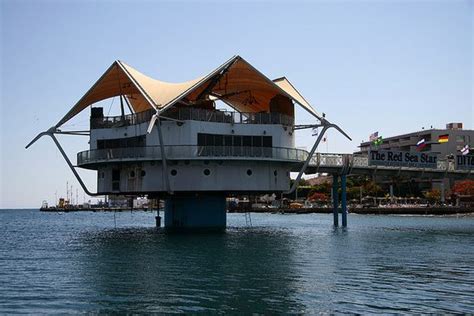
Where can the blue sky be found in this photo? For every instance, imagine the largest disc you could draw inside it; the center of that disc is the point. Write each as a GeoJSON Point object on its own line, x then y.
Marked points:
{"type": "Point", "coordinates": [387, 66]}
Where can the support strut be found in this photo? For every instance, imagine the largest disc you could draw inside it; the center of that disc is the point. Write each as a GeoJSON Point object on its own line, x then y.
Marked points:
{"type": "Point", "coordinates": [50, 132]}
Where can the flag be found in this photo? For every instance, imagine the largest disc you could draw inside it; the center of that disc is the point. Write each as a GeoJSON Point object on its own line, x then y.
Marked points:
{"type": "Point", "coordinates": [315, 132]}
{"type": "Point", "coordinates": [465, 150]}
{"type": "Point", "coordinates": [378, 141]}
{"type": "Point", "coordinates": [373, 136]}
{"type": "Point", "coordinates": [443, 138]}
{"type": "Point", "coordinates": [420, 145]}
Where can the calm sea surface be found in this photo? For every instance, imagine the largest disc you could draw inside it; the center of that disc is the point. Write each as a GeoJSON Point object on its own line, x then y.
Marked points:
{"type": "Point", "coordinates": [89, 262]}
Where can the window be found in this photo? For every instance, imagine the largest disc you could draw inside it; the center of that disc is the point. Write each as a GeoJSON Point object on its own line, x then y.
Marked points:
{"type": "Point", "coordinates": [267, 141]}
{"type": "Point", "coordinates": [174, 172]}
{"type": "Point", "coordinates": [257, 141]}
{"type": "Point", "coordinates": [115, 179]}
{"type": "Point", "coordinates": [249, 172]}
{"type": "Point", "coordinates": [460, 139]}
{"type": "Point", "coordinates": [234, 140]}
{"type": "Point", "coordinates": [247, 141]}
{"type": "Point", "coordinates": [207, 172]}
{"type": "Point", "coordinates": [138, 141]}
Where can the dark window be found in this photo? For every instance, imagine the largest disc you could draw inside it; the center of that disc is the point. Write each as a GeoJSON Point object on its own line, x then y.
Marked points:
{"type": "Point", "coordinates": [234, 140]}
{"type": "Point", "coordinates": [228, 140]}
{"type": "Point", "coordinates": [138, 141]}
{"type": "Point", "coordinates": [256, 141]}
{"type": "Point", "coordinates": [209, 140]}
{"type": "Point", "coordinates": [207, 172]}
{"type": "Point", "coordinates": [115, 179]}
{"type": "Point", "coordinates": [267, 141]}
{"type": "Point", "coordinates": [249, 172]}
{"type": "Point", "coordinates": [237, 141]}
{"type": "Point", "coordinates": [201, 139]}
{"type": "Point", "coordinates": [116, 175]}
{"type": "Point", "coordinates": [143, 173]}
{"type": "Point", "coordinates": [174, 172]}
{"type": "Point", "coordinates": [218, 140]}
{"type": "Point", "coordinates": [247, 141]}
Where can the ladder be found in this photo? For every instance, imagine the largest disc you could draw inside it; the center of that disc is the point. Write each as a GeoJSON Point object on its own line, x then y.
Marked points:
{"type": "Point", "coordinates": [248, 219]}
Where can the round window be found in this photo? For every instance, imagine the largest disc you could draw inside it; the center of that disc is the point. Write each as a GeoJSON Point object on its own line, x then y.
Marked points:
{"type": "Point", "coordinates": [207, 172]}
{"type": "Point", "coordinates": [142, 173]}
{"type": "Point", "coordinates": [174, 172]}
{"type": "Point", "coordinates": [249, 172]}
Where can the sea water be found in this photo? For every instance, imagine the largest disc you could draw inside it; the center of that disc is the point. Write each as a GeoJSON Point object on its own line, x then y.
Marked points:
{"type": "Point", "coordinates": [106, 262]}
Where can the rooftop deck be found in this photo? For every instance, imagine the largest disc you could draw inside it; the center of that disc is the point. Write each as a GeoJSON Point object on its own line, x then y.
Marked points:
{"type": "Point", "coordinates": [194, 114]}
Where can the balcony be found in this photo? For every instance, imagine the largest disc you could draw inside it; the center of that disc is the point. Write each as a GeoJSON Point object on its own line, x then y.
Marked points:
{"type": "Point", "coordinates": [194, 114]}
{"type": "Point", "coordinates": [190, 152]}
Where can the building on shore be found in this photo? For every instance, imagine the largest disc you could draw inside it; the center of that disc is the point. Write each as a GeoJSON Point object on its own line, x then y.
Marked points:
{"type": "Point", "coordinates": [444, 142]}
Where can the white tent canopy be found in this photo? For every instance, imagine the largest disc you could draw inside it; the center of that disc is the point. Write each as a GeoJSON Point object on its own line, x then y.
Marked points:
{"type": "Point", "coordinates": [235, 82]}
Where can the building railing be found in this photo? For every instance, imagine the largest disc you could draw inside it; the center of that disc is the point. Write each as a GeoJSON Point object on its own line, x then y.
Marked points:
{"type": "Point", "coordinates": [232, 117]}
{"type": "Point", "coordinates": [190, 152]}
{"type": "Point", "coordinates": [341, 162]}
{"type": "Point", "coordinates": [120, 121]}
{"type": "Point", "coordinates": [194, 114]}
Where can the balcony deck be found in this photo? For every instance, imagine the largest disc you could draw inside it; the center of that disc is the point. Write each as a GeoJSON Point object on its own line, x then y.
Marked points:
{"type": "Point", "coordinates": [190, 152]}
{"type": "Point", "coordinates": [194, 114]}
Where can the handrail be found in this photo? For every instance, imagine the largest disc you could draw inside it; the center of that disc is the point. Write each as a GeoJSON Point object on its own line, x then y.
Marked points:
{"type": "Point", "coordinates": [194, 114]}
{"type": "Point", "coordinates": [190, 152]}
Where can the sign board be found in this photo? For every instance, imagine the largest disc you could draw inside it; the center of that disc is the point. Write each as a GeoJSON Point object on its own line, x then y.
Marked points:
{"type": "Point", "coordinates": [395, 158]}
{"type": "Point", "coordinates": [465, 162]}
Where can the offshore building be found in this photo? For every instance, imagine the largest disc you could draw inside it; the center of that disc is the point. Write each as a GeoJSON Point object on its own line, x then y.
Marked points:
{"type": "Point", "coordinates": [171, 142]}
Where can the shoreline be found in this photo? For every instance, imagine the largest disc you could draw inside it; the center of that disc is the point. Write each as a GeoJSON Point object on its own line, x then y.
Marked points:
{"type": "Point", "coordinates": [366, 211]}
{"type": "Point", "coordinates": [446, 210]}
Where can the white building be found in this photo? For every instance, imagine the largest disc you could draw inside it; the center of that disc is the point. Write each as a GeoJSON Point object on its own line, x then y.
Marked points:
{"type": "Point", "coordinates": [171, 141]}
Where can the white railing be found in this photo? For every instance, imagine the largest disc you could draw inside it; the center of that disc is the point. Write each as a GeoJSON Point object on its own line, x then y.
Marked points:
{"type": "Point", "coordinates": [190, 152]}
{"type": "Point", "coordinates": [342, 162]}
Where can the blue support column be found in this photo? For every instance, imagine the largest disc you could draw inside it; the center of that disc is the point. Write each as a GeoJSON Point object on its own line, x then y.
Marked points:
{"type": "Point", "coordinates": [344, 200]}
{"type": "Point", "coordinates": [335, 199]}
{"type": "Point", "coordinates": [204, 212]}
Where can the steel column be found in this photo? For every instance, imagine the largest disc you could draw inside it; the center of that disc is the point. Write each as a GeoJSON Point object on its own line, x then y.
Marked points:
{"type": "Point", "coordinates": [335, 199]}
{"type": "Point", "coordinates": [344, 200]}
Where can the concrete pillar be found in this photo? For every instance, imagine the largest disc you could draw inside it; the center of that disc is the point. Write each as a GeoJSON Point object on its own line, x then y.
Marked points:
{"type": "Point", "coordinates": [344, 200]}
{"type": "Point", "coordinates": [203, 212]}
{"type": "Point", "coordinates": [391, 193]}
{"type": "Point", "coordinates": [443, 199]}
{"type": "Point", "coordinates": [335, 199]}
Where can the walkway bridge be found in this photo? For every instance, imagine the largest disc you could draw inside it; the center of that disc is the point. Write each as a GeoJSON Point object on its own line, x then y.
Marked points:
{"type": "Point", "coordinates": [349, 164]}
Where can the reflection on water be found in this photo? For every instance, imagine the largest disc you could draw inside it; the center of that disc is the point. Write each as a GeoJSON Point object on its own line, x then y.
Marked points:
{"type": "Point", "coordinates": [244, 270]}
{"type": "Point", "coordinates": [288, 264]}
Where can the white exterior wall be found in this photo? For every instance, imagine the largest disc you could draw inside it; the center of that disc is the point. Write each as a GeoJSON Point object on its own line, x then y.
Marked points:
{"type": "Point", "coordinates": [225, 175]}
{"type": "Point", "coordinates": [190, 176]}
{"type": "Point", "coordinates": [186, 134]}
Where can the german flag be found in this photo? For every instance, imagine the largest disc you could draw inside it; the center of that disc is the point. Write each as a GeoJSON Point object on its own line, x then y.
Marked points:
{"type": "Point", "coordinates": [443, 138]}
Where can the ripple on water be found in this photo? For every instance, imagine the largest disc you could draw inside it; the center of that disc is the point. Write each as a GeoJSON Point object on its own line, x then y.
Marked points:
{"type": "Point", "coordinates": [284, 264]}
